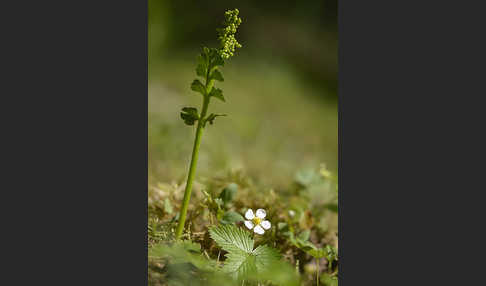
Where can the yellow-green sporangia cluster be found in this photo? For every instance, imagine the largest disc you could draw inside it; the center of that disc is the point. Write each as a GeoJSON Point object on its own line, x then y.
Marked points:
{"type": "Point", "coordinates": [227, 34]}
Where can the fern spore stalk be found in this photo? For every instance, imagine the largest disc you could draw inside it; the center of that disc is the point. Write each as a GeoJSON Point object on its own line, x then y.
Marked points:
{"type": "Point", "coordinates": [192, 171]}
{"type": "Point", "coordinates": [207, 68]}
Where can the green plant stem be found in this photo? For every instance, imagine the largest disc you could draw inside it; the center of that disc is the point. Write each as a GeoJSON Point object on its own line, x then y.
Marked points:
{"type": "Point", "coordinates": [317, 272]}
{"type": "Point", "coordinates": [192, 168]}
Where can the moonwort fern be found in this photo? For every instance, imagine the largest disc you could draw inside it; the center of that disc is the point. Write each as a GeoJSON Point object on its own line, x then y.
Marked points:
{"type": "Point", "coordinates": [208, 64]}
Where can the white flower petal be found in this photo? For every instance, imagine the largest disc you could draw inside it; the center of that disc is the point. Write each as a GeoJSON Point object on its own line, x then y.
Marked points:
{"type": "Point", "coordinates": [258, 229]}
{"type": "Point", "coordinates": [266, 224]}
{"type": "Point", "coordinates": [249, 214]}
{"type": "Point", "coordinates": [249, 224]}
{"type": "Point", "coordinates": [261, 213]}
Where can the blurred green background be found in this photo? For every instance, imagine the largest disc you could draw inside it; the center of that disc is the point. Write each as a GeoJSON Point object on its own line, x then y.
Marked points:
{"type": "Point", "coordinates": [280, 89]}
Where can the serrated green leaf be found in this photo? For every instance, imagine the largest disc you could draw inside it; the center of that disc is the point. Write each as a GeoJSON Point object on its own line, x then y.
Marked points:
{"type": "Point", "coordinates": [271, 268]}
{"type": "Point", "coordinates": [189, 115]}
{"type": "Point", "coordinates": [232, 238]}
{"type": "Point", "coordinates": [218, 93]}
{"type": "Point", "coordinates": [229, 192]}
{"type": "Point", "coordinates": [216, 75]}
{"type": "Point", "coordinates": [242, 261]}
{"type": "Point", "coordinates": [240, 264]}
{"type": "Point", "coordinates": [230, 217]}
{"type": "Point", "coordinates": [197, 86]}
{"type": "Point", "coordinates": [246, 266]}
{"type": "Point", "coordinates": [265, 256]}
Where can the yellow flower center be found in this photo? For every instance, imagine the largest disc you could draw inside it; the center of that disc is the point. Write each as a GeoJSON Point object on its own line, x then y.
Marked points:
{"type": "Point", "coordinates": [257, 220]}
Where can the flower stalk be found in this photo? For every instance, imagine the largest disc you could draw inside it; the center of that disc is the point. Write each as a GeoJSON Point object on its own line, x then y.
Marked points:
{"type": "Point", "coordinates": [192, 170]}
{"type": "Point", "coordinates": [207, 68]}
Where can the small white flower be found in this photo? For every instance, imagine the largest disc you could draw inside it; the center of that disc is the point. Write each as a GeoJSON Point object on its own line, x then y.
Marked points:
{"type": "Point", "coordinates": [256, 222]}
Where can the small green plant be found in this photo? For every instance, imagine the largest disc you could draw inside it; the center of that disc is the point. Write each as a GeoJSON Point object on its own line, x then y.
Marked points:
{"type": "Point", "coordinates": [207, 68]}
{"type": "Point", "coordinates": [245, 262]}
